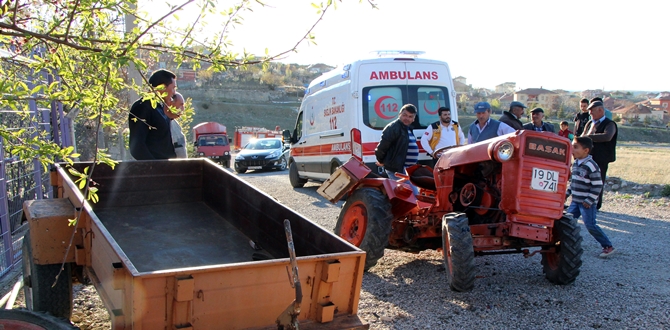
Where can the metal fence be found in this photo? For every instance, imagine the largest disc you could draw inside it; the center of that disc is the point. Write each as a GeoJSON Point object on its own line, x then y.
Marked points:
{"type": "Point", "coordinates": [20, 180]}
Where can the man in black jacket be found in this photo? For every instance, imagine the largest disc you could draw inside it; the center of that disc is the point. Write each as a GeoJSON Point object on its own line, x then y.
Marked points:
{"type": "Point", "coordinates": [511, 117]}
{"type": "Point", "coordinates": [397, 148]}
{"type": "Point", "coordinates": [603, 131]}
{"type": "Point", "coordinates": [538, 124]}
{"type": "Point", "coordinates": [149, 126]}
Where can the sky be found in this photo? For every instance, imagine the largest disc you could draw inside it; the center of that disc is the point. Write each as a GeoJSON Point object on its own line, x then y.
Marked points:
{"type": "Point", "coordinates": [571, 45]}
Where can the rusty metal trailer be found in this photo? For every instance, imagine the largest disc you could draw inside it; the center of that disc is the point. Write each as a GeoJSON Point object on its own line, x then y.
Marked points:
{"type": "Point", "coordinates": [184, 244]}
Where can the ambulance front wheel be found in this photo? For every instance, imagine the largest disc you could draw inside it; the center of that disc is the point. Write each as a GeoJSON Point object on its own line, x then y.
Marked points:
{"type": "Point", "coordinates": [296, 180]}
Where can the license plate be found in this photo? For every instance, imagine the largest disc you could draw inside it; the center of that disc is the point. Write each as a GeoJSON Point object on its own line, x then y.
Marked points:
{"type": "Point", "coordinates": [545, 180]}
{"type": "Point", "coordinates": [255, 167]}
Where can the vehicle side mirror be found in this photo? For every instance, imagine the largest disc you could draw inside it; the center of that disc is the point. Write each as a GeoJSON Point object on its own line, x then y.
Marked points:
{"type": "Point", "coordinates": [287, 136]}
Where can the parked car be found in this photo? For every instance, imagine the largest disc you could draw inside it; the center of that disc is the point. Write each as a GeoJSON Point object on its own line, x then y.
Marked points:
{"type": "Point", "coordinates": [262, 154]}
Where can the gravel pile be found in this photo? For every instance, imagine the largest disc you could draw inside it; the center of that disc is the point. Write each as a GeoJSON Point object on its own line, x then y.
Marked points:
{"type": "Point", "coordinates": [409, 291]}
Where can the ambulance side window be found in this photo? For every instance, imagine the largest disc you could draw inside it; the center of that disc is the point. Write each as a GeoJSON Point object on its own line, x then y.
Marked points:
{"type": "Point", "coordinates": [297, 132]}
{"type": "Point", "coordinates": [429, 100]}
{"type": "Point", "coordinates": [381, 105]}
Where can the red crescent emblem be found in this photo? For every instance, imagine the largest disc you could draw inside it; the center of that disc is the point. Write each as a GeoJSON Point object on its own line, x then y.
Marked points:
{"type": "Point", "coordinates": [378, 108]}
{"type": "Point", "coordinates": [431, 112]}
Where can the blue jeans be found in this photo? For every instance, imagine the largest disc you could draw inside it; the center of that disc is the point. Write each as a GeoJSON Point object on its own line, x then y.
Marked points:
{"type": "Point", "coordinates": [392, 175]}
{"type": "Point", "coordinates": [589, 217]}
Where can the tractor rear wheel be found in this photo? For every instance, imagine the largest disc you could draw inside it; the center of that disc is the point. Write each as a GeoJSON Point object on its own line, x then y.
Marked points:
{"type": "Point", "coordinates": [365, 221]}
{"type": "Point", "coordinates": [40, 292]}
{"type": "Point", "coordinates": [458, 252]}
{"type": "Point", "coordinates": [562, 266]}
{"type": "Point", "coordinates": [294, 178]}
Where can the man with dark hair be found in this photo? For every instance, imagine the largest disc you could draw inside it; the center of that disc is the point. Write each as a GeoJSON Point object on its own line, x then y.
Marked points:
{"type": "Point", "coordinates": [603, 132]}
{"type": "Point", "coordinates": [150, 136]}
{"type": "Point", "coordinates": [513, 116]}
{"type": "Point", "coordinates": [582, 117]}
{"type": "Point", "coordinates": [397, 148]}
{"type": "Point", "coordinates": [485, 127]}
{"type": "Point", "coordinates": [538, 124]}
{"type": "Point", "coordinates": [442, 133]}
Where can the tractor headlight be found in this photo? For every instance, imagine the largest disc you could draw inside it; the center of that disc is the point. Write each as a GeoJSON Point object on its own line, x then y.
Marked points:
{"type": "Point", "coordinates": [504, 151]}
{"type": "Point", "coordinates": [201, 154]}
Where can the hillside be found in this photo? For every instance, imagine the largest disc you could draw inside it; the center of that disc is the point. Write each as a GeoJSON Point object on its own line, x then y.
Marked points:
{"type": "Point", "coordinates": [271, 108]}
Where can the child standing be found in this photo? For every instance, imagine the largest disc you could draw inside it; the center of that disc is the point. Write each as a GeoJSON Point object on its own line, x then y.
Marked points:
{"type": "Point", "coordinates": [585, 187]}
{"type": "Point", "coordinates": [565, 132]}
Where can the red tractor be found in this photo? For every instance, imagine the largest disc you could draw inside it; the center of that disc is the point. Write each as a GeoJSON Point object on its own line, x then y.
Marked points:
{"type": "Point", "coordinates": [499, 196]}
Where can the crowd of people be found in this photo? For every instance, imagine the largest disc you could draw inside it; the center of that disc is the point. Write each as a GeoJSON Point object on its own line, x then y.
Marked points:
{"type": "Point", "coordinates": [593, 140]}
{"type": "Point", "coordinates": [155, 134]}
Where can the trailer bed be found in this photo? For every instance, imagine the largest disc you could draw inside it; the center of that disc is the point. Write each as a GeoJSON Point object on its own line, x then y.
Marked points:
{"type": "Point", "coordinates": [170, 236]}
{"type": "Point", "coordinates": [167, 246]}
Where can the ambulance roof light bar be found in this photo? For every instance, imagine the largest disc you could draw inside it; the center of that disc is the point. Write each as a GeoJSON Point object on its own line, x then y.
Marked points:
{"type": "Point", "coordinates": [391, 53]}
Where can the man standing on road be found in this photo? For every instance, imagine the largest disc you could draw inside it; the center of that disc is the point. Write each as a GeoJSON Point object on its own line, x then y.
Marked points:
{"type": "Point", "coordinates": [397, 148]}
{"type": "Point", "coordinates": [582, 117]}
{"type": "Point", "coordinates": [513, 116]}
{"type": "Point", "coordinates": [603, 131]}
{"type": "Point", "coordinates": [442, 133]}
{"type": "Point", "coordinates": [537, 124]}
{"type": "Point", "coordinates": [485, 127]}
{"type": "Point", "coordinates": [149, 126]}
{"type": "Point", "coordinates": [178, 138]}
{"type": "Point", "coordinates": [608, 113]}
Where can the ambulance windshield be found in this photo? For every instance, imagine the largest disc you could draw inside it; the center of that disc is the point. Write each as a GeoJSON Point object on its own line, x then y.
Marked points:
{"type": "Point", "coordinates": [382, 104]}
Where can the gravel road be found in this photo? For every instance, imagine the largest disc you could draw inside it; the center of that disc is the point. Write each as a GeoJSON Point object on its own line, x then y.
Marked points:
{"type": "Point", "coordinates": [631, 290]}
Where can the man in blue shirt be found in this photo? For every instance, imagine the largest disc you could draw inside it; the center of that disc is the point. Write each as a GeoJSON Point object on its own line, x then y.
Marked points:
{"type": "Point", "coordinates": [485, 127]}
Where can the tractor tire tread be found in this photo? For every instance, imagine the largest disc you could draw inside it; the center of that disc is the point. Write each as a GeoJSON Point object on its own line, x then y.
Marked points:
{"type": "Point", "coordinates": [569, 255]}
{"type": "Point", "coordinates": [462, 278]}
{"type": "Point", "coordinates": [379, 223]}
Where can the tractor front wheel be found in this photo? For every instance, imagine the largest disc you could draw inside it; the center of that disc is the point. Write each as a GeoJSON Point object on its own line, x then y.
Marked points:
{"type": "Point", "coordinates": [365, 221]}
{"type": "Point", "coordinates": [458, 252]}
{"type": "Point", "coordinates": [562, 266]}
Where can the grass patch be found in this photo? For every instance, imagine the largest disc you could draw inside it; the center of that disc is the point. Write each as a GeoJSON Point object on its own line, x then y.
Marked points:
{"type": "Point", "coordinates": [623, 196]}
{"type": "Point", "coordinates": [641, 165]}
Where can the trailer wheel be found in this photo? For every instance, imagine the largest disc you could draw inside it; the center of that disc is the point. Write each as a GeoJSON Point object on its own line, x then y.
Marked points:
{"type": "Point", "coordinates": [39, 294]}
{"type": "Point", "coordinates": [29, 320]}
{"type": "Point", "coordinates": [296, 181]}
{"type": "Point", "coordinates": [15, 319]}
{"type": "Point", "coordinates": [458, 252]}
{"type": "Point", "coordinates": [226, 163]}
{"type": "Point", "coordinates": [365, 221]}
{"type": "Point", "coordinates": [562, 267]}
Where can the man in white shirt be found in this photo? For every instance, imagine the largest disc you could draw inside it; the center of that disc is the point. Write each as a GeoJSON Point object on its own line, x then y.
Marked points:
{"type": "Point", "coordinates": [442, 133]}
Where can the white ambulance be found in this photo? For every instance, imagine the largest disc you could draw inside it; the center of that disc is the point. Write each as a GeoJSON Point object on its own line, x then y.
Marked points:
{"type": "Point", "coordinates": [345, 110]}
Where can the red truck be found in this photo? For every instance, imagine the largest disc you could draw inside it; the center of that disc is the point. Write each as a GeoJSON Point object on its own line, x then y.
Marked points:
{"type": "Point", "coordinates": [211, 141]}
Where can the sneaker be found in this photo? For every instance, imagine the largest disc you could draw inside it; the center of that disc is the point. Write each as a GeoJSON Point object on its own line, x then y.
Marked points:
{"type": "Point", "coordinates": [608, 251]}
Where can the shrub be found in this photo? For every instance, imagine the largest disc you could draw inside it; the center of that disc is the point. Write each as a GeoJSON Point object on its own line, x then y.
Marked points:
{"type": "Point", "coordinates": [666, 191]}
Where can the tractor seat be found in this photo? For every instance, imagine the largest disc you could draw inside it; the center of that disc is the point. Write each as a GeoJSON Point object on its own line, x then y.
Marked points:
{"type": "Point", "coordinates": [423, 177]}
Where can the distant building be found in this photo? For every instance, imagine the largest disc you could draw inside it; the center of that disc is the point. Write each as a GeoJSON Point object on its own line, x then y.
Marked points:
{"type": "Point", "coordinates": [461, 80]}
{"type": "Point", "coordinates": [661, 101]}
{"type": "Point", "coordinates": [537, 97]}
{"type": "Point", "coordinates": [639, 112]}
{"type": "Point", "coordinates": [507, 87]}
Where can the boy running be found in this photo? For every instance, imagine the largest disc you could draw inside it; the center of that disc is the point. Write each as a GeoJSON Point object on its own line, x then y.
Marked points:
{"type": "Point", "coordinates": [585, 186]}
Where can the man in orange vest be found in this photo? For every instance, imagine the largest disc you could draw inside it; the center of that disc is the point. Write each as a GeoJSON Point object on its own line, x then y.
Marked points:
{"type": "Point", "coordinates": [442, 133]}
